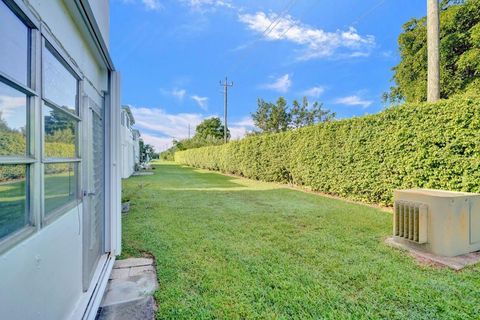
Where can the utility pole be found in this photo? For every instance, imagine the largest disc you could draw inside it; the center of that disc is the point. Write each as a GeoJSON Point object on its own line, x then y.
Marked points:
{"type": "Point", "coordinates": [433, 44]}
{"type": "Point", "coordinates": [225, 86]}
{"type": "Point", "coordinates": [189, 131]}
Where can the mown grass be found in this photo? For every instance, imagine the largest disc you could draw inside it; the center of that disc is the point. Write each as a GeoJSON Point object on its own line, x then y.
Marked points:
{"type": "Point", "coordinates": [231, 248]}
{"type": "Point", "coordinates": [13, 203]}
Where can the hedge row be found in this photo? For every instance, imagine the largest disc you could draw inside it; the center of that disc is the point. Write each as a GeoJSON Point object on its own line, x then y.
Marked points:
{"type": "Point", "coordinates": [13, 144]}
{"type": "Point", "coordinates": [366, 158]}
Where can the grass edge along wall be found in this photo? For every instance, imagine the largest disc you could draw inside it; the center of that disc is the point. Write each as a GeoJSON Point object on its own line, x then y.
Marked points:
{"type": "Point", "coordinates": [416, 145]}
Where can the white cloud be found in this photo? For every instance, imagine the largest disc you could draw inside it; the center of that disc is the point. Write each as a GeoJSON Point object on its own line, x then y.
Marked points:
{"type": "Point", "coordinates": [281, 84]}
{"type": "Point", "coordinates": [314, 92]}
{"type": "Point", "coordinates": [245, 122]}
{"type": "Point", "coordinates": [201, 101]}
{"type": "Point", "coordinates": [152, 4]}
{"type": "Point", "coordinates": [179, 93]}
{"type": "Point", "coordinates": [159, 128]}
{"type": "Point", "coordinates": [205, 5]}
{"type": "Point", "coordinates": [173, 126]}
{"type": "Point", "coordinates": [315, 43]}
{"type": "Point", "coordinates": [240, 128]}
{"type": "Point", "coordinates": [176, 93]}
{"type": "Point", "coordinates": [13, 110]}
{"type": "Point", "coordinates": [354, 101]}
{"type": "Point", "coordinates": [159, 143]}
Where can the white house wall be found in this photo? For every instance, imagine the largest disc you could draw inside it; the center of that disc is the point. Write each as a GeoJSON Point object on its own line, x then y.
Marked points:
{"type": "Point", "coordinates": [128, 150]}
{"type": "Point", "coordinates": [41, 277]}
{"type": "Point", "coordinates": [57, 17]}
{"type": "Point", "coordinates": [136, 151]}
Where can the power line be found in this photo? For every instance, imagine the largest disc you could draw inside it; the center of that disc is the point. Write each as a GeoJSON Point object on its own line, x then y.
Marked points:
{"type": "Point", "coordinates": [273, 24]}
{"type": "Point", "coordinates": [280, 17]}
{"type": "Point", "coordinates": [368, 12]}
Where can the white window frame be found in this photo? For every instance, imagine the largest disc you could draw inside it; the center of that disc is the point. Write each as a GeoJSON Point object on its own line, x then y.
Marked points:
{"type": "Point", "coordinates": [30, 159]}
{"type": "Point", "coordinates": [40, 37]}
{"type": "Point", "coordinates": [49, 44]}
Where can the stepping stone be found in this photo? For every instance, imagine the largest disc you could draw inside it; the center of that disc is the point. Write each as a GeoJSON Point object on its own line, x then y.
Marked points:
{"type": "Point", "coordinates": [129, 290]}
{"type": "Point", "coordinates": [141, 309]}
{"type": "Point", "coordinates": [133, 262]}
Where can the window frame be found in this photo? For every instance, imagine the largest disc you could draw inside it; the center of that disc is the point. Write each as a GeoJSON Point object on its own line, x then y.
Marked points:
{"type": "Point", "coordinates": [34, 159]}
{"type": "Point", "coordinates": [30, 160]}
{"type": "Point", "coordinates": [47, 43]}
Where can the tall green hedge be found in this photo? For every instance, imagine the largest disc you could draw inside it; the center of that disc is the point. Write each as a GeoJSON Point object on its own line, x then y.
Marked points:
{"type": "Point", "coordinates": [13, 144]}
{"type": "Point", "coordinates": [366, 158]}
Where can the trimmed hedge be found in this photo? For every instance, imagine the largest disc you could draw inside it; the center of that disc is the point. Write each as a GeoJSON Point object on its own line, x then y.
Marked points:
{"type": "Point", "coordinates": [13, 143]}
{"type": "Point", "coordinates": [410, 146]}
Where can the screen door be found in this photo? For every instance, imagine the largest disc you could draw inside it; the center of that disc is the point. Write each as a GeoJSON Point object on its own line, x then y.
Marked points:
{"type": "Point", "coordinates": [94, 191]}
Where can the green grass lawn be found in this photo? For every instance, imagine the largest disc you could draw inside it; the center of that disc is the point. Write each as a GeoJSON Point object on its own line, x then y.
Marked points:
{"type": "Point", "coordinates": [59, 190]}
{"type": "Point", "coordinates": [231, 248]}
{"type": "Point", "coordinates": [13, 215]}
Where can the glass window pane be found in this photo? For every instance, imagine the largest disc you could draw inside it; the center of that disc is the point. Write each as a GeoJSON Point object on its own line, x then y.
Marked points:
{"type": "Point", "coordinates": [13, 199]}
{"type": "Point", "coordinates": [14, 45]}
{"type": "Point", "coordinates": [59, 85]}
{"type": "Point", "coordinates": [60, 185]}
{"type": "Point", "coordinates": [60, 131]}
{"type": "Point", "coordinates": [13, 122]}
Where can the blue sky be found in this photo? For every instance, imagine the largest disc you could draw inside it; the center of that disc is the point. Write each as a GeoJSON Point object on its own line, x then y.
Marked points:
{"type": "Point", "coordinates": [173, 53]}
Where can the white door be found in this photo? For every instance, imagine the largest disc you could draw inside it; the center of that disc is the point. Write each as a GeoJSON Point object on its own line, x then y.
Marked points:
{"type": "Point", "coordinates": [94, 190]}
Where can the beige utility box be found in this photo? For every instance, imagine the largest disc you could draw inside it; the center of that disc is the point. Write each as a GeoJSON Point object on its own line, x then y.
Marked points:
{"type": "Point", "coordinates": [442, 222]}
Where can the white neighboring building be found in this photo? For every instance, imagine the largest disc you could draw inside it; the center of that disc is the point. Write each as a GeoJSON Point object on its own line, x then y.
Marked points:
{"type": "Point", "coordinates": [136, 147]}
{"type": "Point", "coordinates": [60, 221]}
{"type": "Point", "coordinates": [130, 143]}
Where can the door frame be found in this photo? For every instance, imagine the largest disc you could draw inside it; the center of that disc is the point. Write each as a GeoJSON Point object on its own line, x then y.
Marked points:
{"type": "Point", "coordinates": [89, 276]}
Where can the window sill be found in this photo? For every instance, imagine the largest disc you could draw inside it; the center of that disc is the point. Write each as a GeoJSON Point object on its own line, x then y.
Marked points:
{"type": "Point", "coordinates": [60, 211]}
{"type": "Point", "coordinates": [15, 238]}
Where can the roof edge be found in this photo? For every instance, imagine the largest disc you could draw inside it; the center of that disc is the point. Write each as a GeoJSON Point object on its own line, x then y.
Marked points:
{"type": "Point", "coordinates": [92, 25]}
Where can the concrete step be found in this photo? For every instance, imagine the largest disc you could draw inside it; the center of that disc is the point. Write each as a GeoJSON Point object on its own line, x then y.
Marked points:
{"type": "Point", "coordinates": [129, 291]}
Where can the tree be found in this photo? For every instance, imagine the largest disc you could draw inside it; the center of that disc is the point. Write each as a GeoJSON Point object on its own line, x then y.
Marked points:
{"type": "Point", "coordinates": [208, 133]}
{"type": "Point", "coordinates": [299, 114]}
{"type": "Point", "coordinates": [303, 115]}
{"type": "Point", "coordinates": [278, 117]}
{"type": "Point", "coordinates": [211, 128]}
{"type": "Point", "coordinates": [147, 151]}
{"type": "Point", "coordinates": [271, 117]}
{"type": "Point", "coordinates": [459, 54]}
{"type": "Point", "coordinates": [3, 124]}
{"type": "Point", "coordinates": [59, 121]}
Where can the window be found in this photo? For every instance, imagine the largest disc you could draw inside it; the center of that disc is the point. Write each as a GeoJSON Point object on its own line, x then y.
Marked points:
{"type": "Point", "coordinates": [14, 214]}
{"type": "Point", "coordinates": [59, 84]}
{"type": "Point", "coordinates": [60, 128]}
{"type": "Point", "coordinates": [14, 53]}
{"type": "Point", "coordinates": [16, 98]}
{"type": "Point", "coordinates": [13, 122]}
{"type": "Point", "coordinates": [60, 134]}
{"type": "Point", "coordinates": [60, 185]}
{"type": "Point", "coordinates": [24, 190]}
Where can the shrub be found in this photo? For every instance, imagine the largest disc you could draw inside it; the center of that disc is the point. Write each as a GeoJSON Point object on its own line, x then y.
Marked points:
{"type": "Point", "coordinates": [13, 143]}
{"type": "Point", "coordinates": [410, 146]}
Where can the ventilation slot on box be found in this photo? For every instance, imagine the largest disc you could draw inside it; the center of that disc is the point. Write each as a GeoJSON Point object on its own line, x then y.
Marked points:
{"type": "Point", "coordinates": [410, 221]}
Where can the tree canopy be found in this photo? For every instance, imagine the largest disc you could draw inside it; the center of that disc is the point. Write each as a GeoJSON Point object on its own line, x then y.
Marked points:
{"type": "Point", "coordinates": [147, 151]}
{"type": "Point", "coordinates": [211, 128]}
{"type": "Point", "coordinates": [459, 54]}
{"type": "Point", "coordinates": [210, 132]}
{"type": "Point", "coordinates": [278, 117]}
